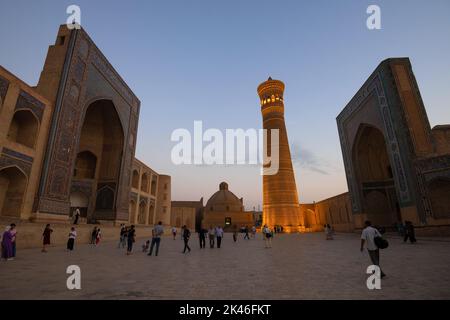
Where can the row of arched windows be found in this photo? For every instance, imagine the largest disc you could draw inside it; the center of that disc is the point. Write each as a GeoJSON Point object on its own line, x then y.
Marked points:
{"type": "Point", "coordinates": [272, 98]}
{"type": "Point", "coordinates": [145, 182]}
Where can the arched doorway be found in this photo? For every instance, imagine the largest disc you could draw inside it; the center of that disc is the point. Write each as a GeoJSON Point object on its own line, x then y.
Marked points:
{"type": "Point", "coordinates": [439, 192]}
{"type": "Point", "coordinates": [132, 211]}
{"type": "Point", "coordinates": [24, 128]}
{"type": "Point", "coordinates": [309, 218]}
{"type": "Point", "coordinates": [13, 183]}
{"type": "Point", "coordinates": [81, 201]}
{"type": "Point", "coordinates": [142, 212]}
{"type": "Point", "coordinates": [101, 134]}
{"type": "Point", "coordinates": [144, 182]}
{"type": "Point", "coordinates": [135, 179]}
{"type": "Point", "coordinates": [374, 177]}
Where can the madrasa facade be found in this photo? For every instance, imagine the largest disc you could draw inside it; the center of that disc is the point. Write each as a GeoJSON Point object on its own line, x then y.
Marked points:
{"type": "Point", "coordinates": [69, 142]}
{"type": "Point", "coordinates": [397, 166]}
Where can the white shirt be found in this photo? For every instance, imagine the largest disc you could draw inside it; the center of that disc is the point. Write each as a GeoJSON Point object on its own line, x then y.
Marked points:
{"type": "Point", "coordinates": [174, 230]}
{"type": "Point", "coordinates": [158, 231]}
{"type": "Point", "coordinates": [219, 232]}
{"type": "Point", "coordinates": [368, 234]}
{"type": "Point", "coordinates": [72, 234]}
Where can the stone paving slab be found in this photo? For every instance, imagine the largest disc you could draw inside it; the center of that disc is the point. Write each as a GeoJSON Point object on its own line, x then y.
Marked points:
{"type": "Point", "coordinates": [299, 266]}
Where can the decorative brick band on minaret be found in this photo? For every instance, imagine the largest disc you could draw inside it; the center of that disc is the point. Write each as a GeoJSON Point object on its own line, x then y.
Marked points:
{"type": "Point", "coordinates": [280, 199]}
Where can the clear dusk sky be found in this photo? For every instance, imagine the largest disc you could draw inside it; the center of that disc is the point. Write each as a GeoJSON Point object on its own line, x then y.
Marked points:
{"type": "Point", "coordinates": [202, 60]}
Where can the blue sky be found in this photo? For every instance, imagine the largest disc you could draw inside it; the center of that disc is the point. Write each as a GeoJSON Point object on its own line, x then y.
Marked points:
{"type": "Point", "coordinates": [202, 60]}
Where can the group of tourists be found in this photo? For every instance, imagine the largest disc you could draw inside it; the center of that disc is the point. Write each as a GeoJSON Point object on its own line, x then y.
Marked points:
{"type": "Point", "coordinates": [96, 236]}
{"type": "Point", "coordinates": [127, 237]}
{"type": "Point", "coordinates": [214, 235]}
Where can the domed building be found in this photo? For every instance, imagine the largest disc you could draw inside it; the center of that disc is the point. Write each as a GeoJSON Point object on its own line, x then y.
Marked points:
{"type": "Point", "coordinates": [225, 209]}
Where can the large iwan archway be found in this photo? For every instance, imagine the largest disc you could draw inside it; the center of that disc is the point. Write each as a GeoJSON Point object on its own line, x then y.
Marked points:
{"type": "Point", "coordinates": [374, 177]}
{"type": "Point", "coordinates": [439, 192]}
{"type": "Point", "coordinates": [101, 145]}
{"type": "Point", "coordinates": [13, 183]}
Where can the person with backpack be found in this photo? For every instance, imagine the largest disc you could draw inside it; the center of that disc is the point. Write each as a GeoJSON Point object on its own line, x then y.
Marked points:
{"type": "Point", "coordinates": [186, 236]}
{"type": "Point", "coordinates": [373, 240]}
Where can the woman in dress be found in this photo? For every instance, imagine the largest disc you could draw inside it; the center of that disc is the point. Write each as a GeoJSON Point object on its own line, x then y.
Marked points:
{"type": "Point", "coordinates": [7, 244]}
{"type": "Point", "coordinates": [46, 237]}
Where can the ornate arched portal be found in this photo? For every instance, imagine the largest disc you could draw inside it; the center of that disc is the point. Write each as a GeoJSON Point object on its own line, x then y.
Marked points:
{"type": "Point", "coordinates": [374, 177]}
{"type": "Point", "coordinates": [102, 134]}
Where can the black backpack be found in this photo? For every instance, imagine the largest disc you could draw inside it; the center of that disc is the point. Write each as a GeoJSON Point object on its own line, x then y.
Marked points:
{"type": "Point", "coordinates": [381, 243]}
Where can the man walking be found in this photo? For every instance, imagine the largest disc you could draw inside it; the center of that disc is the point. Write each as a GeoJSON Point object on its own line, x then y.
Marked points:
{"type": "Point", "coordinates": [246, 233]}
{"type": "Point", "coordinates": [219, 236]}
{"type": "Point", "coordinates": [368, 236]}
{"type": "Point", "coordinates": [157, 232]}
{"type": "Point", "coordinates": [186, 236]}
{"type": "Point", "coordinates": [131, 239]}
{"type": "Point", "coordinates": [202, 237]}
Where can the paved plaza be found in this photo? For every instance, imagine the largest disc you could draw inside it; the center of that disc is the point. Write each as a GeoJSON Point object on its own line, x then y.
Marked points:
{"type": "Point", "coordinates": [299, 266]}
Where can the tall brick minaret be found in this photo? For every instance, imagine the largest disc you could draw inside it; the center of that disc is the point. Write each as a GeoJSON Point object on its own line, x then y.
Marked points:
{"type": "Point", "coordinates": [280, 199]}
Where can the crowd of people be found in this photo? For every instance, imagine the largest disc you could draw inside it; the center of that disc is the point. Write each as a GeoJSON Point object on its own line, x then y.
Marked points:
{"type": "Point", "coordinates": [215, 235]}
